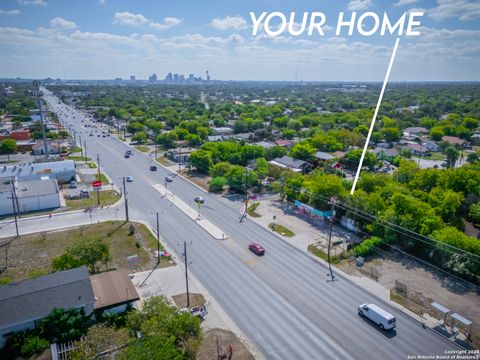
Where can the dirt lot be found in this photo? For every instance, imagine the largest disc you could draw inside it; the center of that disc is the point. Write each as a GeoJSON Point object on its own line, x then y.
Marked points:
{"type": "Point", "coordinates": [195, 300]}
{"type": "Point", "coordinates": [208, 350]}
{"type": "Point", "coordinates": [198, 178]}
{"type": "Point", "coordinates": [31, 255]}
{"type": "Point", "coordinates": [422, 281]}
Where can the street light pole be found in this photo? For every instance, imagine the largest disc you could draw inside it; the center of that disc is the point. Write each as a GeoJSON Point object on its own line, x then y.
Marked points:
{"type": "Point", "coordinates": [99, 179]}
{"type": "Point", "coordinates": [186, 272]}
{"type": "Point", "coordinates": [12, 180]}
{"type": "Point", "coordinates": [126, 199]}
{"type": "Point", "coordinates": [332, 277]}
{"type": "Point", "coordinates": [85, 146]}
{"type": "Point", "coordinates": [158, 254]}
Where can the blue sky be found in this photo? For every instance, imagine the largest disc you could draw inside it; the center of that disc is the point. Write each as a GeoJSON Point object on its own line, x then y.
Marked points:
{"type": "Point", "coordinates": [100, 39]}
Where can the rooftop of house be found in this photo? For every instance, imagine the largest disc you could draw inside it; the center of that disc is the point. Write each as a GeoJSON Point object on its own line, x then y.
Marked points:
{"type": "Point", "coordinates": [26, 189]}
{"type": "Point", "coordinates": [453, 140]}
{"type": "Point", "coordinates": [38, 168]}
{"type": "Point", "coordinates": [323, 155]}
{"type": "Point", "coordinates": [416, 130]}
{"type": "Point", "coordinates": [113, 288]}
{"type": "Point", "coordinates": [290, 162]}
{"type": "Point", "coordinates": [34, 299]}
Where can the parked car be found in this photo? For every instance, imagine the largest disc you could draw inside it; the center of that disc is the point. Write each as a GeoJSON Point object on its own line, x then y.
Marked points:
{"type": "Point", "coordinates": [129, 178]}
{"type": "Point", "coordinates": [73, 184]}
{"type": "Point", "coordinates": [199, 199]}
{"type": "Point", "coordinates": [382, 318]}
{"type": "Point", "coordinates": [126, 156]}
{"type": "Point", "coordinates": [153, 168]}
{"type": "Point", "coordinates": [256, 249]}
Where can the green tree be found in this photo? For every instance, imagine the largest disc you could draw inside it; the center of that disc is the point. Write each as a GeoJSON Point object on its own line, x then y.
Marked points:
{"type": "Point", "coordinates": [303, 151]}
{"type": "Point", "coordinates": [64, 325]}
{"type": "Point", "coordinates": [352, 159]}
{"type": "Point", "coordinates": [217, 184]}
{"type": "Point", "coordinates": [167, 334]}
{"type": "Point", "coordinates": [391, 134]}
{"type": "Point", "coordinates": [140, 137]}
{"type": "Point", "coordinates": [436, 133]}
{"type": "Point", "coordinates": [275, 152]}
{"type": "Point", "coordinates": [406, 171]}
{"type": "Point", "coordinates": [8, 147]}
{"type": "Point", "coordinates": [261, 166]}
{"type": "Point", "coordinates": [100, 338]}
{"type": "Point", "coordinates": [366, 246]}
{"type": "Point", "coordinates": [452, 156]}
{"type": "Point", "coordinates": [88, 251]}
{"type": "Point", "coordinates": [472, 157]}
{"type": "Point", "coordinates": [202, 160]}
{"type": "Point", "coordinates": [474, 213]}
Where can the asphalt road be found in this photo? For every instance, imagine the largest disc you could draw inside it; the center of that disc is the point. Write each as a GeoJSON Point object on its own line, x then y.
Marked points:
{"type": "Point", "coordinates": [281, 301]}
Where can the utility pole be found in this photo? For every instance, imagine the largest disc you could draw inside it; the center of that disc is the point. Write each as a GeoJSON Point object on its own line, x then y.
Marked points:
{"type": "Point", "coordinates": [85, 146]}
{"type": "Point", "coordinates": [186, 272]}
{"type": "Point", "coordinates": [36, 85]}
{"type": "Point", "coordinates": [158, 253]}
{"type": "Point", "coordinates": [179, 158]}
{"type": "Point", "coordinates": [81, 148]}
{"type": "Point", "coordinates": [246, 190]}
{"type": "Point", "coordinates": [333, 201]}
{"type": "Point", "coordinates": [126, 199]}
{"type": "Point", "coordinates": [155, 146]}
{"type": "Point", "coordinates": [14, 194]}
{"type": "Point", "coordinates": [99, 179]}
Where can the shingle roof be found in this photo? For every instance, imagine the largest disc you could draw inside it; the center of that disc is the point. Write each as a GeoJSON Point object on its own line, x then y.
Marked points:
{"type": "Point", "coordinates": [35, 298]}
{"type": "Point", "coordinates": [323, 155]}
{"type": "Point", "coordinates": [291, 162]}
{"type": "Point", "coordinates": [113, 288]}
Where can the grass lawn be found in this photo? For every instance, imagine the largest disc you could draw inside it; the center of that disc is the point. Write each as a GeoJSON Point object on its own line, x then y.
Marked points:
{"type": "Point", "coordinates": [164, 161]}
{"type": "Point", "coordinates": [92, 165]}
{"type": "Point", "coordinates": [435, 156]}
{"type": "Point", "coordinates": [142, 148]}
{"type": "Point", "coordinates": [103, 179]}
{"type": "Point", "coordinates": [251, 210]}
{"type": "Point", "coordinates": [76, 150]}
{"type": "Point", "coordinates": [31, 255]}
{"type": "Point", "coordinates": [323, 255]}
{"type": "Point", "coordinates": [282, 230]}
{"type": "Point", "coordinates": [78, 158]}
{"type": "Point", "coordinates": [107, 197]}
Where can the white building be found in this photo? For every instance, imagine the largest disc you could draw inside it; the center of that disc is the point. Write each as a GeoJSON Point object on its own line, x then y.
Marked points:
{"type": "Point", "coordinates": [62, 171]}
{"type": "Point", "coordinates": [30, 196]}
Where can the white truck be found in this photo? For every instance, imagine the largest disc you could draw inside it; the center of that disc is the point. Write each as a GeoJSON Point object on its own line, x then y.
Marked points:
{"type": "Point", "coordinates": [382, 318]}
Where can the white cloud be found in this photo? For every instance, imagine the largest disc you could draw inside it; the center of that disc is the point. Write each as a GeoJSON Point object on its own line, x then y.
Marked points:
{"type": "Point", "coordinates": [355, 5]}
{"type": "Point", "coordinates": [230, 22]}
{"type": "Point", "coordinates": [103, 2]}
{"type": "Point", "coordinates": [9, 12]}
{"type": "Point", "coordinates": [167, 23]}
{"type": "Point", "coordinates": [127, 18]}
{"type": "Point", "coordinates": [32, 2]}
{"type": "Point", "coordinates": [404, 2]}
{"type": "Point", "coordinates": [462, 9]}
{"type": "Point", "coordinates": [58, 22]}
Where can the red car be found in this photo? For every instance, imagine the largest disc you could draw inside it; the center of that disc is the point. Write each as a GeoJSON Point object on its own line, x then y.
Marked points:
{"type": "Point", "coordinates": [256, 249]}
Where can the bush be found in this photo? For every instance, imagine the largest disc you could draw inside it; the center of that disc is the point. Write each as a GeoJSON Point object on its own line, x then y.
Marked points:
{"type": "Point", "coordinates": [33, 345]}
{"type": "Point", "coordinates": [217, 184]}
{"type": "Point", "coordinates": [366, 246]}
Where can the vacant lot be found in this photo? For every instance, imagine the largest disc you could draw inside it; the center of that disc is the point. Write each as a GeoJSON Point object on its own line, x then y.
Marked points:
{"type": "Point", "coordinates": [32, 255]}
{"type": "Point", "coordinates": [198, 178]}
{"type": "Point", "coordinates": [224, 339]}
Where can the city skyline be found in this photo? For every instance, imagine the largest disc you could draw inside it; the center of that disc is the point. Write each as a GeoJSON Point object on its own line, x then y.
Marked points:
{"type": "Point", "coordinates": [106, 40]}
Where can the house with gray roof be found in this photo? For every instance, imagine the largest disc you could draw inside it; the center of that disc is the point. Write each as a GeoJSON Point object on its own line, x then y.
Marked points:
{"type": "Point", "coordinates": [62, 171]}
{"type": "Point", "coordinates": [24, 304]}
{"type": "Point", "coordinates": [296, 165]}
{"type": "Point", "coordinates": [323, 156]}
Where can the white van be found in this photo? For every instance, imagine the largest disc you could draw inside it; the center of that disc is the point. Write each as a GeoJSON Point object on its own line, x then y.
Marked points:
{"type": "Point", "coordinates": [382, 318]}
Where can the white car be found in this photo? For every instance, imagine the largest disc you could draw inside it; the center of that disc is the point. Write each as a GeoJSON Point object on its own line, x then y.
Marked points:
{"type": "Point", "coordinates": [129, 178]}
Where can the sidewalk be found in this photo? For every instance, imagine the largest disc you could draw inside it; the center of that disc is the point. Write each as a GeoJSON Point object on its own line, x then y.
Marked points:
{"type": "Point", "coordinates": [170, 281]}
{"type": "Point", "coordinates": [193, 214]}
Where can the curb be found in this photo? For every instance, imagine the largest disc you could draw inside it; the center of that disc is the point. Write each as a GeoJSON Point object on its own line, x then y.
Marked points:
{"type": "Point", "coordinates": [225, 236]}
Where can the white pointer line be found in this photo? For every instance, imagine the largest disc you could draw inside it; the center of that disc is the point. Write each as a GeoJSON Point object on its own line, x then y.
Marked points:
{"type": "Point", "coordinates": [372, 125]}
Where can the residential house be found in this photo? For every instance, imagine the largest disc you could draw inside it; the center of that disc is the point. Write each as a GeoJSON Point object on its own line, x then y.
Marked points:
{"type": "Point", "coordinates": [415, 131]}
{"type": "Point", "coordinates": [453, 140]}
{"type": "Point", "coordinates": [222, 130]}
{"type": "Point", "coordinates": [113, 291]}
{"type": "Point", "coordinates": [323, 156]}
{"type": "Point", "coordinates": [385, 154]}
{"type": "Point", "coordinates": [417, 149]}
{"type": "Point", "coordinates": [52, 148]}
{"type": "Point", "coordinates": [475, 140]}
{"type": "Point", "coordinates": [432, 146]}
{"type": "Point", "coordinates": [296, 165]}
{"type": "Point", "coordinates": [215, 138]}
{"type": "Point", "coordinates": [18, 135]}
{"type": "Point", "coordinates": [284, 143]}
{"type": "Point", "coordinates": [24, 304]}
{"type": "Point", "coordinates": [265, 144]}
{"type": "Point", "coordinates": [181, 154]}
{"type": "Point", "coordinates": [338, 154]}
